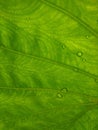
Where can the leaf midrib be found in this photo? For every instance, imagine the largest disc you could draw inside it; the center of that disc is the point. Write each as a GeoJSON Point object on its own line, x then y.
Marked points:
{"type": "Point", "coordinates": [52, 62]}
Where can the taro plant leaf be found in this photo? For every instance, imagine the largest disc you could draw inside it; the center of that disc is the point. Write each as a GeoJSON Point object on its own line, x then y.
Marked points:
{"type": "Point", "coordinates": [49, 65]}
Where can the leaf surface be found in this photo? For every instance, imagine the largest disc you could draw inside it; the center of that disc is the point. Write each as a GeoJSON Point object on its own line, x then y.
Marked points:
{"type": "Point", "coordinates": [49, 65]}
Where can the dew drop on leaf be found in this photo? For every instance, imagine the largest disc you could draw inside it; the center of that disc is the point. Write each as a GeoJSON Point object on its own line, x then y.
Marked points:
{"type": "Point", "coordinates": [79, 54]}
{"type": "Point", "coordinates": [59, 95]}
{"type": "Point", "coordinates": [64, 90]}
{"type": "Point", "coordinates": [87, 36]}
{"type": "Point", "coordinates": [83, 60]}
{"type": "Point", "coordinates": [63, 46]}
{"type": "Point", "coordinates": [76, 69]}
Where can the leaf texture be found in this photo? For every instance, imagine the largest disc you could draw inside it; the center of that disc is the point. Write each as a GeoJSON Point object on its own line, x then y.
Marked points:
{"type": "Point", "coordinates": [49, 65]}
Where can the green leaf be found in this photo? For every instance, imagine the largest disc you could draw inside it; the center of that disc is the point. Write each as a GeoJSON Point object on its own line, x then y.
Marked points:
{"type": "Point", "coordinates": [49, 65]}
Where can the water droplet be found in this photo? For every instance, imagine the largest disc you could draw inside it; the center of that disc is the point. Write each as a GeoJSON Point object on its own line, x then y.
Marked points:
{"type": "Point", "coordinates": [76, 69]}
{"type": "Point", "coordinates": [83, 60]}
{"type": "Point", "coordinates": [96, 80]}
{"type": "Point", "coordinates": [87, 36]}
{"type": "Point", "coordinates": [64, 90]}
{"type": "Point", "coordinates": [59, 95]}
{"type": "Point", "coordinates": [63, 46]}
{"type": "Point", "coordinates": [79, 54]}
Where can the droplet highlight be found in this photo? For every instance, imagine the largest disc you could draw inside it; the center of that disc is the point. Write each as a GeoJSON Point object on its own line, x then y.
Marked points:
{"type": "Point", "coordinates": [79, 54]}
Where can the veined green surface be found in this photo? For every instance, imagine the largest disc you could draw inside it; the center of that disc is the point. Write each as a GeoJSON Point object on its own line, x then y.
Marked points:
{"type": "Point", "coordinates": [49, 65]}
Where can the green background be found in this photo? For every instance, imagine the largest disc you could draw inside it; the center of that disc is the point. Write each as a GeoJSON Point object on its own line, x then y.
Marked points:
{"type": "Point", "coordinates": [48, 64]}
